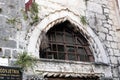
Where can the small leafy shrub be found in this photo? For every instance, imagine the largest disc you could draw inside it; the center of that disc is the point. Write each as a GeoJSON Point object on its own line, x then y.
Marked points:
{"type": "Point", "coordinates": [83, 20]}
{"type": "Point", "coordinates": [34, 12]}
{"type": "Point", "coordinates": [35, 19]}
{"type": "Point", "coordinates": [34, 8]}
{"type": "Point", "coordinates": [25, 61]}
{"type": "Point", "coordinates": [25, 15]}
{"type": "Point", "coordinates": [11, 21]}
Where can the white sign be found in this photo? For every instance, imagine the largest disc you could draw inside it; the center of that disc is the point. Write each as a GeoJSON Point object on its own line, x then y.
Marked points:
{"type": "Point", "coordinates": [3, 62]}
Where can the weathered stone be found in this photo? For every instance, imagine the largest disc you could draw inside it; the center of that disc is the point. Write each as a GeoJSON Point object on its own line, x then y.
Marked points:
{"type": "Point", "coordinates": [94, 7]}
{"type": "Point", "coordinates": [114, 45]}
{"type": "Point", "coordinates": [109, 38]}
{"type": "Point", "coordinates": [12, 62]}
{"type": "Point", "coordinates": [107, 17]}
{"type": "Point", "coordinates": [116, 52]}
{"type": "Point", "coordinates": [100, 29]}
{"type": "Point", "coordinates": [115, 72]}
{"type": "Point", "coordinates": [119, 45]}
{"type": "Point", "coordinates": [107, 43]}
{"type": "Point", "coordinates": [107, 26]}
{"type": "Point", "coordinates": [21, 46]}
{"type": "Point", "coordinates": [110, 51]}
{"type": "Point", "coordinates": [102, 35]}
{"type": "Point", "coordinates": [112, 33]}
{"type": "Point", "coordinates": [92, 23]}
{"type": "Point", "coordinates": [110, 21]}
{"type": "Point", "coordinates": [89, 14]}
{"type": "Point", "coordinates": [8, 43]}
{"type": "Point", "coordinates": [113, 59]}
{"type": "Point", "coordinates": [119, 61]}
{"type": "Point", "coordinates": [105, 2]}
{"type": "Point", "coordinates": [7, 53]}
{"type": "Point", "coordinates": [98, 22]}
{"type": "Point", "coordinates": [98, 1]}
{"type": "Point", "coordinates": [14, 54]}
{"type": "Point", "coordinates": [116, 78]}
{"type": "Point", "coordinates": [4, 32]}
{"type": "Point", "coordinates": [106, 10]}
{"type": "Point", "coordinates": [100, 16]}
{"type": "Point", "coordinates": [119, 66]}
{"type": "Point", "coordinates": [105, 30]}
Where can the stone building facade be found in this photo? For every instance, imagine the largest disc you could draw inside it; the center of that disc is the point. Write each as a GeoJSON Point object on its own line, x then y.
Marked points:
{"type": "Point", "coordinates": [101, 32]}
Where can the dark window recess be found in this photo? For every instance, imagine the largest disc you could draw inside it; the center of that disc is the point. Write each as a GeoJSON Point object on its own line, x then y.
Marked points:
{"type": "Point", "coordinates": [0, 49]}
{"type": "Point", "coordinates": [66, 44]}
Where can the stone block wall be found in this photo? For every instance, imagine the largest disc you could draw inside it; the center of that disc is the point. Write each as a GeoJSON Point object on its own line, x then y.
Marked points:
{"type": "Point", "coordinates": [10, 10]}
{"type": "Point", "coordinates": [100, 15]}
{"type": "Point", "coordinates": [104, 22]}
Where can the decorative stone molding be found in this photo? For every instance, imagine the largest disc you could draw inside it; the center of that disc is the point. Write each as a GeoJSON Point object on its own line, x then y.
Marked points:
{"type": "Point", "coordinates": [59, 17]}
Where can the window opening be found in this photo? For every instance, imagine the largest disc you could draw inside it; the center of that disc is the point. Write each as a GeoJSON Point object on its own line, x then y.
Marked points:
{"type": "Point", "coordinates": [65, 44]}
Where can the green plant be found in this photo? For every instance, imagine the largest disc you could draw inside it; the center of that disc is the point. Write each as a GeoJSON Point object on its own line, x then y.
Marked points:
{"type": "Point", "coordinates": [83, 20]}
{"type": "Point", "coordinates": [34, 8]}
{"type": "Point", "coordinates": [35, 19]}
{"type": "Point", "coordinates": [25, 16]}
{"type": "Point", "coordinates": [25, 61]}
{"type": "Point", "coordinates": [3, 56]}
{"type": "Point", "coordinates": [34, 13]}
{"type": "Point", "coordinates": [11, 21]}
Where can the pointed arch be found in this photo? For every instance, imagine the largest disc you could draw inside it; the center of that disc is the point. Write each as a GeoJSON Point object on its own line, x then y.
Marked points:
{"type": "Point", "coordinates": [64, 41]}
{"type": "Point", "coordinates": [99, 52]}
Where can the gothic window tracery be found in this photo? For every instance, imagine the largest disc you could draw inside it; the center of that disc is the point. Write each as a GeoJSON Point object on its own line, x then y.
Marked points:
{"type": "Point", "coordinates": [66, 44]}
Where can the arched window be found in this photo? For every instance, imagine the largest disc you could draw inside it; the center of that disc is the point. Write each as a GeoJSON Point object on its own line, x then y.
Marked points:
{"type": "Point", "coordinates": [64, 43]}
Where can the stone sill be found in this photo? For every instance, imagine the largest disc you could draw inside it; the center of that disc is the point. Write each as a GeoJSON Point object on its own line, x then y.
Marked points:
{"type": "Point", "coordinates": [73, 62]}
{"type": "Point", "coordinates": [65, 61]}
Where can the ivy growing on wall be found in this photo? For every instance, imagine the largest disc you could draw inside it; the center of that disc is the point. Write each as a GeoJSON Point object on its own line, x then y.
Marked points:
{"type": "Point", "coordinates": [14, 22]}
{"type": "Point", "coordinates": [25, 61]}
{"type": "Point", "coordinates": [35, 19]}
{"type": "Point", "coordinates": [25, 16]}
{"type": "Point", "coordinates": [34, 12]}
{"type": "Point", "coordinates": [33, 16]}
{"type": "Point", "coordinates": [83, 20]}
{"type": "Point", "coordinates": [34, 8]}
{"type": "Point", "coordinates": [11, 21]}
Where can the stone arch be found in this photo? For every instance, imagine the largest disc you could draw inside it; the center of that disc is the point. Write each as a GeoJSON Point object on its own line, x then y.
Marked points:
{"type": "Point", "coordinates": [59, 17]}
